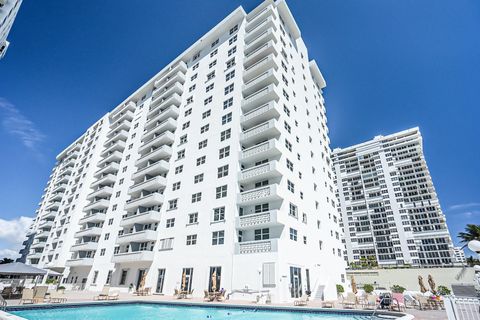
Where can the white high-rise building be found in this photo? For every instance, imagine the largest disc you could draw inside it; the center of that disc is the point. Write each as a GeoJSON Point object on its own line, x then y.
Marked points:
{"type": "Point", "coordinates": [459, 254]}
{"type": "Point", "coordinates": [390, 211]}
{"type": "Point", "coordinates": [218, 164]}
{"type": "Point", "coordinates": [8, 12]}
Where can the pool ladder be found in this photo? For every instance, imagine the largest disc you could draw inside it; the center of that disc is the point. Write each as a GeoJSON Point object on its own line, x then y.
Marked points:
{"type": "Point", "coordinates": [3, 304]}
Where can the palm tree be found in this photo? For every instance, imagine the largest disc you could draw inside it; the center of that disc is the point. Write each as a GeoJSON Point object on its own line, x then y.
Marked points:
{"type": "Point", "coordinates": [6, 260]}
{"type": "Point", "coordinates": [472, 232]}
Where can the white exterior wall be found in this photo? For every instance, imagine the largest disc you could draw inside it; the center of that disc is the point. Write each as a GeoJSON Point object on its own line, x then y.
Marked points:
{"type": "Point", "coordinates": [8, 12]}
{"type": "Point", "coordinates": [301, 116]}
{"type": "Point", "coordinates": [390, 210]}
{"type": "Point", "coordinates": [459, 255]}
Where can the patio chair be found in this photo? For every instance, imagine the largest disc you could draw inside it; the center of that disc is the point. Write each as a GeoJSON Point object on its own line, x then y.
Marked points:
{"type": "Point", "coordinates": [57, 297]}
{"type": "Point", "coordinates": [40, 293]}
{"type": "Point", "coordinates": [423, 302]}
{"type": "Point", "coordinates": [350, 301]}
{"type": "Point", "coordinates": [27, 296]}
{"type": "Point", "coordinates": [409, 300]}
{"type": "Point", "coordinates": [370, 302]}
{"type": "Point", "coordinates": [221, 296]}
{"type": "Point", "coordinates": [398, 301]}
{"type": "Point", "coordinates": [113, 296]}
{"type": "Point", "coordinates": [302, 301]}
{"type": "Point", "coordinates": [104, 294]}
{"type": "Point", "coordinates": [7, 292]}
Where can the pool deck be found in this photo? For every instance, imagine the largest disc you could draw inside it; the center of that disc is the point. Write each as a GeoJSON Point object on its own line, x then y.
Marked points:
{"type": "Point", "coordinates": [85, 296]}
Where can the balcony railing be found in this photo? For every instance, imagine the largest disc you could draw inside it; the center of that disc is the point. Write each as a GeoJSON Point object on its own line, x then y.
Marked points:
{"type": "Point", "coordinates": [266, 193]}
{"type": "Point", "coordinates": [264, 170]}
{"type": "Point", "coordinates": [260, 246]}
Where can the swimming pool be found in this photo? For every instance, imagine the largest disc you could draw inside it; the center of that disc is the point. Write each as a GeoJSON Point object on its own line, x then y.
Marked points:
{"type": "Point", "coordinates": [147, 311]}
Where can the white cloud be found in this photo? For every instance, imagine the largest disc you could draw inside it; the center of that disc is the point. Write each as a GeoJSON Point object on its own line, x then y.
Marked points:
{"type": "Point", "coordinates": [464, 205]}
{"type": "Point", "coordinates": [14, 231]}
{"type": "Point", "coordinates": [16, 124]}
{"type": "Point", "coordinates": [9, 253]}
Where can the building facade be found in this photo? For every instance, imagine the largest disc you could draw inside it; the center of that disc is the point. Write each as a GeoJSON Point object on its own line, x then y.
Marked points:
{"type": "Point", "coordinates": [8, 12]}
{"type": "Point", "coordinates": [220, 164]}
{"type": "Point", "coordinates": [391, 215]}
{"type": "Point", "coordinates": [459, 255]}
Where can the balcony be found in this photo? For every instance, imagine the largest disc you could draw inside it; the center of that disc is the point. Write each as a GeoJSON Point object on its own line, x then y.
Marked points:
{"type": "Point", "coordinates": [101, 192]}
{"type": "Point", "coordinates": [259, 246]}
{"type": "Point", "coordinates": [53, 205]}
{"type": "Point", "coordinates": [259, 68]}
{"type": "Point", "coordinates": [265, 78]}
{"type": "Point", "coordinates": [160, 153]}
{"type": "Point", "coordinates": [258, 220]}
{"type": "Point", "coordinates": [117, 135]}
{"type": "Point", "coordinates": [260, 97]}
{"type": "Point", "coordinates": [156, 141]}
{"type": "Point", "coordinates": [118, 145]}
{"type": "Point", "coordinates": [152, 169]}
{"type": "Point", "coordinates": [129, 106]}
{"type": "Point", "coordinates": [254, 30]}
{"type": "Point", "coordinates": [257, 195]}
{"type": "Point", "coordinates": [121, 125]}
{"type": "Point", "coordinates": [133, 256]}
{"type": "Point", "coordinates": [84, 246]}
{"type": "Point", "coordinates": [258, 13]}
{"type": "Point", "coordinates": [41, 234]}
{"type": "Point", "coordinates": [60, 187]}
{"type": "Point", "coordinates": [114, 156]}
{"type": "Point", "coordinates": [108, 167]}
{"type": "Point", "coordinates": [162, 94]}
{"type": "Point", "coordinates": [268, 48]}
{"type": "Point", "coordinates": [92, 231]}
{"type": "Point", "coordinates": [97, 205]}
{"type": "Point", "coordinates": [46, 225]}
{"type": "Point", "coordinates": [163, 112]}
{"type": "Point", "coordinates": [263, 171]}
{"type": "Point", "coordinates": [79, 262]}
{"type": "Point", "coordinates": [148, 200]}
{"type": "Point", "coordinates": [64, 178]}
{"type": "Point", "coordinates": [93, 218]}
{"type": "Point", "coordinates": [259, 40]}
{"type": "Point", "coordinates": [151, 184]}
{"type": "Point", "coordinates": [126, 115]}
{"type": "Point", "coordinates": [266, 130]}
{"type": "Point", "coordinates": [260, 114]}
{"type": "Point", "coordinates": [56, 196]}
{"type": "Point", "coordinates": [50, 214]}
{"type": "Point", "coordinates": [170, 73]}
{"type": "Point", "coordinates": [37, 245]}
{"type": "Point", "coordinates": [267, 149]}
{"type": "Point", "coordinates": [160, 127]}
{"type": "Point", "coordinates": [139, 236]}
{"type": "Point", "coordinates": [105, 180]}
{"type": "Point", "coordinates": [34, 255]}
{"type": "Point", "coordinates": [140, 218]}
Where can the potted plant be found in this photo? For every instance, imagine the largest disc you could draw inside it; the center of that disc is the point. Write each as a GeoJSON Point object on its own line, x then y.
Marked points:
{"type": "Point", "coordinates": [340, 290]}
{"type": "Point", "coordinates": [61, 289]}
{"type": "Point", "coordinates": [397, 288]}
{"type": "Point", "coordinates": [368, 288]}
{"type": "Point", "coordinates": [130, 287]}
{"type": "Point", "coordinates": [443, 291]}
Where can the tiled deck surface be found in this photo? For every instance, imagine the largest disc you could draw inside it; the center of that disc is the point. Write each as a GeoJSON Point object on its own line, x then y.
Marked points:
{"type": "Point", "coordinates": [82, 296]}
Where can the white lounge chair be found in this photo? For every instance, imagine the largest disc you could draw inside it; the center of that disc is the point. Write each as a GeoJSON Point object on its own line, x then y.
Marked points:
{"type": "Point", "coordinates": [113, 296]}
{"type": "Point", "coordinates": [57, 297]}
{"type": "Point", "coordinates": [104, 294]}
{"type": "Point", "coordinates": [40, 293]}
{"type": "Point", "coordinates": [350, 301]}
{"type": "Point", "coordinates": [302, 301]}
{"type": "Point", "coordinates": [27, 296]}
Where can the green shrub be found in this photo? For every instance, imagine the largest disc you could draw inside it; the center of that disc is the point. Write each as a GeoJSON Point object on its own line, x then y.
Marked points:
{"type": "Point", "coordinates": [50, 281]}
{"type": "Point", "coordinates": [61, 288]}
{"type": "Point", "coordinates": [340, 289]}
{"type": "Point", "coordinates": [397, 288]}
{"type": "Point", "coordinates": [368, 288]}
{"type": "Point", "coordinates": [443, 291]}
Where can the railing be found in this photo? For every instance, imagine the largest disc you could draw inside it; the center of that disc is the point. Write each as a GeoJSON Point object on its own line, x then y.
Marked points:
{"type": "Point", "coordinates": [257, 170]}
{"type": "Point", "coordinates": [264, 146]}
{"type": "Point", "coordinates": [254, 219]}
{"type": "Point", "coordinates": [256, 130]}
{"type": "Point", "coordinates": [257, 63]}
{"type": "Point", "coordinates": [254, 194]}
{"type": "Point", "coordinates": [462, 308]}
{"type": "Point", "coordinates": [257, 111]}
{"type": "Point", "coordinates": [255, 246]}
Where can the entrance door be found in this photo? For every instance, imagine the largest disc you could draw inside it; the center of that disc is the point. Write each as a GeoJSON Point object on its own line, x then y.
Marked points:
{"type": "Point", "coordinates": [160, 280]}
{"type": "Point", "coordinates": [218, 278]}
{"type": "Point", "coordinates": [141, 272]}
{"type": "Point", "coordinates": [295, 282]}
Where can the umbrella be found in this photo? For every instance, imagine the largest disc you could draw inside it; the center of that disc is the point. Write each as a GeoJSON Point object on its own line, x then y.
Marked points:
{"type": "Point", "coordinates": [184, 281]}
{"type": "Point", "coordinates": [142, 281]}
{"type": "Point", "coordinates": [214, 281]}
{"type": "Point", "coordinates": [354, 285]}
{"type": "Point", "coordinates": [20, 269]}
{"type": "Point", "coordinates": [431, 283]}
{"type": "Point", "coordinates": [422, 286]}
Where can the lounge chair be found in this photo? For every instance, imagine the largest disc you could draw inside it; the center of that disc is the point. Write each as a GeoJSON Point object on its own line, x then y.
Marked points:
{"type": "Point", "coordinates": [423, 302]}
{"type": "Point", "coordinates": [27, 296]}
{"type": "Point", "coordinates": [302, 301]}
{"type": "Point", "coordinates": [207, 296]}
{"type": "Point", "coordinates": [350, 301]}
{"type": "Point", "coordinates": [104, 294]}
{"type": "Point", "coordinates": [40, 293]}
{"type": "Point", "coordinates": [57, 297]}
{"type": "Point", "coordinates": [220, 297]}
{"type": "Point", "coordinates": [328, 304]}
{"type": "Point", "coordinates": [113, 296]}
{"type": "Point", "coordinates": [398, 302]}
{"type": "Point", "coordinates": [7, 292]}
{"type": "Point", "coordinates": [370, 302]}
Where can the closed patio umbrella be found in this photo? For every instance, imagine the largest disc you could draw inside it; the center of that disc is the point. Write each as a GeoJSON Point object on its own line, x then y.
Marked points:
{"type": "Point", "coordinates": [184, 281]}
{"type": "Point", "coordinates": [423, 289]}
{"type": "Point", "coordinates": [214, 281]}
{"type": "Point", "coordinates": [431, 283]}
{"type": "Point", "coordinates": [354, 285]}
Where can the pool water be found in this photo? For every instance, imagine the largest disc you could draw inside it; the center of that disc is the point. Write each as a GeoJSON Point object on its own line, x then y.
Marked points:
{"type": "Point", "coordinates": [171, 312]}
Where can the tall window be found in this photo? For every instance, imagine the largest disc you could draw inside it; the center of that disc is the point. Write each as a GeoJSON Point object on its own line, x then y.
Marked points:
{"type": "Point", "coordinates": [186, 279]}
{"type": "Point", "coordinates": [160, 281]}
{"type": "Point", "coordinates": [215, 278]}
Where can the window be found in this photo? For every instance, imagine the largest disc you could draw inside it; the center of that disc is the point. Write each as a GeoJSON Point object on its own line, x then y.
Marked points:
{"type": "Point", "coordinates": [206, 114]}
{"type": "Point", "coordinates": [229, 89]}
{"type": "Point", "coordinates": [201, 160]}
{"type": "Point", "coordinates": [213, 63]}
{"type": "Point", "coordinates": [219, 214]}
{"type": "Point", "coordinates": [179, 169]}
{"type": "Point", "coordinates": [290, 186]}
{"type": "Point", "coordinates": [264, 207]}
{"type": "Point", "coordinates": [198, 178]}
{"type": "Point", "coordinates": [214, 43]}
{"type": "Point", "coordinates": [221, 192]}
{"type": "Point", "coordinates": [293, 210]}
{"type": "Point", "coordinates": [102, 252]}
{"type": "Point", "coordinates": [211, 75]}
{"type": "Point", "coordinates": [218, 238]}
{"type": "Point", "coordinates": [226, 118]}
{"type": "Point", "coordinates": [188, 112]}
{"type": "Point", "coordinates": [186, 125]}
{"type": "Point", "coordinates": [230, 63]}
{"type": "Point", "coordinates": [232, 40]}
{"type": "Point", "coordinates": [208, 100]}
{"type": "Point", "coordinates": [193, 217]}
{"type": "Point", "coordinates": [288, 145]}
{"type": "Point", "coordinates": [209, 87]}
{"type": "Point", "coordinates": [109, 277]}
{"type": "Point", "coordinates": [196, 197]}
{"type": "Point", "coordinates": [189, 100]}
{"type": "Point", "coordinates": [222, 171]}
{"type": "Point", "coordinates": [204, 128]}
{"type": "Point", "coordinates": [232, 51]}
{"type": "Point", "coordinates": [230, 75]}
{"type": "Point", "coordinates": [224, 152]}
{"type": "Point", "coordinates": [195, 66]}
{"type": "Point", "coordinates": [172, 204]}
{"type": "Point", "coordinates": [262, 234]}
{"type": "Point", "coordinates": [226, 134]}
{"type": "Point", "coordinates": [170, 223]}
{"type": "Point", "coordinates": [290, 165]}
{"type": "Point", "coordinates": [191, 88]}
{"type": "Point", "coordinates": [166, 244]}
{"type": "Point", "coordinates": [123, 277]}
{"type": "Point", "coordinates": [196, 56]}
{"type": "Point", "coordinates": [191, 240]}
{"type": "Point", "coordinates": [183, 139]}
{"type": "Point", "coordinates": [202, 144]}
{"type": "Point", "coordinates": [181, 154]}
{"type": "Point", "coordinates": [227, 103]}
{"type": "Point", "coordinates": [214, 52]}
{"type": "Point", "coordinates": [176, 186]}
{"type": "Point", "coordinates": [233, 29]}
{"type": "Point", "coordinates": [293, 234]}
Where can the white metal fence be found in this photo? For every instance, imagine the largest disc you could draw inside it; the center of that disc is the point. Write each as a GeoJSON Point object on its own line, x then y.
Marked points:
{"type": "Point", "coordinates": [462, 308]}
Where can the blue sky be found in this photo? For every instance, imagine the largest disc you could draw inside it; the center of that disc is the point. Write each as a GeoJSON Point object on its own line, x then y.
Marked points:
{"type": "Point", "coordinates": [389, 65]}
